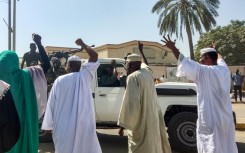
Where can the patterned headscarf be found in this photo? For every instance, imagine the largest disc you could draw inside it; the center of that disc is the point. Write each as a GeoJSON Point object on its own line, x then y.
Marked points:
{"type": "Point", "coordinates": [4, 87]}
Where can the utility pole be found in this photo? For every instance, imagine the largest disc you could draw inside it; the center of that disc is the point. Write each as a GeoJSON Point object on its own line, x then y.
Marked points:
{"type": "Point", "coordinates": [14, 25]}
{"type": "Point", "coordinates": [9, 26]}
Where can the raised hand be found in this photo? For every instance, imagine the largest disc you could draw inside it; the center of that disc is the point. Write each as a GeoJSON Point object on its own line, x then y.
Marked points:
{"type": "Point", "coordinates": [79, 42]}
{"type": "Point", "coordinates": [140, 46]}
{"type": "Point", "coordinates": [171, 44]}
{"type": "Point", "coordinates": [168, 42]}
{"type": "Point", "coordinates": [113, 63]}
{"type": "Point", "coordinates": [121, 131]}
{"type": "Point", "coordinates": [213, 45]}
{"type": "Point", "coordinates": [93, 56]}
{"type": "Point", "coordinates": [36, 38]}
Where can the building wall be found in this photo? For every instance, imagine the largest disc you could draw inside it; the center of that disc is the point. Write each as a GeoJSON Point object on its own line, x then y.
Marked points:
{"type": "Point", "coordinates": [155, 53]}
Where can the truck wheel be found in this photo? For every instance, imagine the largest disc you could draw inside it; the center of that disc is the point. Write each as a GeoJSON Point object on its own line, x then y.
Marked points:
{"type": "Point", "coordinates": [44, 136]}
{"type": "Point", "coordinates": [182, 132]}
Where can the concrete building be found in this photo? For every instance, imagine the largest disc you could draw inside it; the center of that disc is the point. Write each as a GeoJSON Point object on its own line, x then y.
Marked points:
{"type": "Point", "coordinates": [155, 53]}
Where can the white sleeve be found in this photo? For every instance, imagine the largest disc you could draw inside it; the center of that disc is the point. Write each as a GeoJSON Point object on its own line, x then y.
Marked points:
{"type": "Point", "coordinates": [187, 68]}
{"type": "Point", "coordinates": [48, 117]}
{"type": "Point", "coordinates": [146, 67]}
{"type": "Point", "coordinates": [91, 67]}
{"type": "Point", "coordinates": [221, 62]}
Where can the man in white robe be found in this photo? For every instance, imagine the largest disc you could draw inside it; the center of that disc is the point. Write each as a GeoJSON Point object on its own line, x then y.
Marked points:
{"type": "Point", "coordinates": [140, 112]}
{"type": "Point", "coordinates": [215, 124]}
{"type": "Point", "coordinates": [70, 112]}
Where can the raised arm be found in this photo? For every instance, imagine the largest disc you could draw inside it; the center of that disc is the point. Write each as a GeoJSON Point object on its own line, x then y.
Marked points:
{"type": "Point", "coordinates": [93, 56]}
{"type": "Point", "coordinates": [46, 64]}
{"type": "Point", "coordinates": [171, 45]}
{"type": "Point", "coordinates": [213, 45]}
{"type": "Point", "coordinates": [140, 45]}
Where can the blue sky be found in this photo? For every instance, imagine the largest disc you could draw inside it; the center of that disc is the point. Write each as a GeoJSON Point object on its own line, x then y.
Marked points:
{"type": "Point", "coordinates": [97, 22]}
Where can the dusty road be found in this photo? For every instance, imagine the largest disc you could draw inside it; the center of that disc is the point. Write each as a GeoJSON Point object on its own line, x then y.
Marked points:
{"type": "Point", "coordinates": [112, 143]}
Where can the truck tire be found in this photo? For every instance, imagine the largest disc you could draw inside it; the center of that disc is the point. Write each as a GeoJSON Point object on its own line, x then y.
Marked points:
{"type": "Point", "coordinates": [44, 136]}
{"type": "Point", "coordinates": [182, 132]}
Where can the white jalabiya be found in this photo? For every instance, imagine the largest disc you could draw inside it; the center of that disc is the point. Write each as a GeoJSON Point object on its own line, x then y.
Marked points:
{"type": "Point", "coordinates": [70, 112]}
{"type": "Point", "coordinates": [215, 125]}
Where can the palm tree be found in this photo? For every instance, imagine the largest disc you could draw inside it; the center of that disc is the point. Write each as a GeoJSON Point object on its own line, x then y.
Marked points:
{"type": "Point", "coordinates": [189, 14]}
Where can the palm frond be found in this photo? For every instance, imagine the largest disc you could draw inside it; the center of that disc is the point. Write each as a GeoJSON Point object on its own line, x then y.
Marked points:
{"type": "Point", "coordinates": [191, 15]}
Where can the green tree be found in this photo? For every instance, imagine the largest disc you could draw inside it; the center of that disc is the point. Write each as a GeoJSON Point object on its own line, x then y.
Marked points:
{"type": "Point", "coordinates": [174, 15]}
{"type": "Point", "coordinates": [230, 42]}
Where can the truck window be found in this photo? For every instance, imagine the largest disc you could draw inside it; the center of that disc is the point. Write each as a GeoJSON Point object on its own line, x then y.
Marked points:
{"type": "Point", "coordinates": [109, 76]}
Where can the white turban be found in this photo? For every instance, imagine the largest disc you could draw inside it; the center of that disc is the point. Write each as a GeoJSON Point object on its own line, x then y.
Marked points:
{"type": "Point", "coordinates": [74, 58]}
{"type": "Point", "coordinates": [206, 50]}
{"type": "Point", "coordinates": [133, 58]}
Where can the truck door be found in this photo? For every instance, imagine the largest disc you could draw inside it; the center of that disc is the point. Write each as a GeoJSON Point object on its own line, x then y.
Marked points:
{"type": "Point", "coordinates": [109, 95]}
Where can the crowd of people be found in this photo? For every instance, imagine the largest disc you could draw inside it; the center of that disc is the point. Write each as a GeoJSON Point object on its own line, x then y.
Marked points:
{"type": "Point", "coordinates": [70, 113]}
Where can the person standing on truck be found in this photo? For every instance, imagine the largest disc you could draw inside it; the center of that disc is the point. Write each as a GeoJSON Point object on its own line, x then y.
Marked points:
{"type": "Point", "coordinates": [140, 112]}
{"type": "Point", "coordinates": [32, 57]}
{"type": "Point", "coordinates": [70, 112]}
{"type": "Point", "coordinates": [29, 90]}
{"type": "Point", "coordinates": [215, 125]}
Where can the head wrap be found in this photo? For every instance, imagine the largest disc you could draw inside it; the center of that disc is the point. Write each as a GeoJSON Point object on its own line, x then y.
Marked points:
{"type": "Point", "coordinates": [74, 58]}
{"type": "Point", "coordinates": [206, 50]}
{"type": "Point", "coordinates": [133, 58]}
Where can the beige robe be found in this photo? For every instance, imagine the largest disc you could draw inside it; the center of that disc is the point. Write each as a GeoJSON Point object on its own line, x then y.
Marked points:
{"type": "Point", "coordinates": [141, 115]}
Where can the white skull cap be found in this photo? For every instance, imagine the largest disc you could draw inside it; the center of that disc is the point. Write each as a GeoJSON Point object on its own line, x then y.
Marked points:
{"type": "Point", "coordinates": [133, 58]}
{"type": "Point", "coordinates": [206, 50]}
{"type": "Point", "coordinates": [74, 58]}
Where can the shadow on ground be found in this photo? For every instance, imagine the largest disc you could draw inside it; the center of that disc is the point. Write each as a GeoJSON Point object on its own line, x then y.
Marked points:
{"type": "Point", "coordinates": [241, 147]}
{"type": "Point", "coordinates": [113, 143]}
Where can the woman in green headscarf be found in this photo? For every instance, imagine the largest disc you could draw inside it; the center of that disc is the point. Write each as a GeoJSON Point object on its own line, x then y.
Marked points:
{"type": "Point", "coordinates": [24, 94]}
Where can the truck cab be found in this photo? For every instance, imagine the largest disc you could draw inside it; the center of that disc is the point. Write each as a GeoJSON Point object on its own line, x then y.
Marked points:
{"type": "Point", "coordinates": [108, 98]}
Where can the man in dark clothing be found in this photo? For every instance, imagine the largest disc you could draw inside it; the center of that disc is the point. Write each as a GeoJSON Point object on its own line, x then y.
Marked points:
{"type": "Point", "coordinates": [55, 71]}
{"type": "Point", "coordinates": [32, 57]}
{"type": "Point", "coordinates": [237, 79]}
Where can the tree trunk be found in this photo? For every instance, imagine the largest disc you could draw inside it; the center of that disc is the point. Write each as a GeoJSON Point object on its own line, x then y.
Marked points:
{"type": "Point", "coordinates": [189, 35]}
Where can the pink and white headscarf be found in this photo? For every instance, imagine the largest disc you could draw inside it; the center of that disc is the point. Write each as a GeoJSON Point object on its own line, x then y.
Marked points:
{"type": "Point", "coordinates": [4, 87]}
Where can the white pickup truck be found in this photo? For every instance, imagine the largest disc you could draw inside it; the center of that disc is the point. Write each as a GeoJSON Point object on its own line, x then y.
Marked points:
{"type": "Point", "coordinates": [177, 100]}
